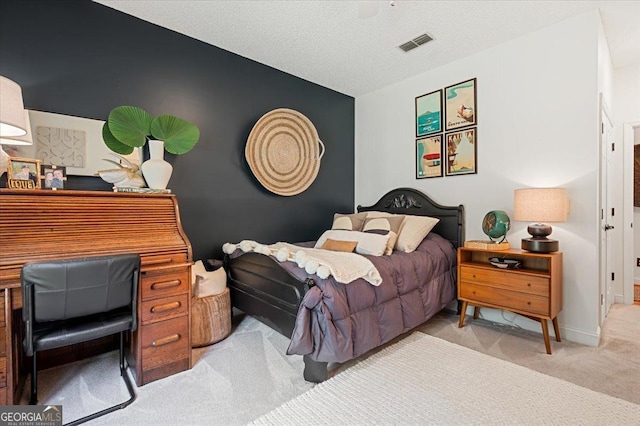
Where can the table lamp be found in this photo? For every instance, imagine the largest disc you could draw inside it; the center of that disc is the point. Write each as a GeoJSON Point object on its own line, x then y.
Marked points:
{"type": "Point", "coordinates": [15, 127]}
{"type": "Point", "coordinates": [540, 205]}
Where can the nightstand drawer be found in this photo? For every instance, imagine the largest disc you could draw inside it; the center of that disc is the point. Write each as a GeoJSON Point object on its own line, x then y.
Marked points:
{"type": "Point", "coordinates": [507, 299]}
{"type": "Point", "coordinates": [509, 280]}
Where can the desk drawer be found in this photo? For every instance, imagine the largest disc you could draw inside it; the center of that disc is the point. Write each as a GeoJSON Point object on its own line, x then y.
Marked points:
{"type": "Point", "coordinates": [163, 260]}
{"type": "Point", "coordinates": [3, 371]}
{"type": "Point", "coordinates": [3, 342]}
{"type": "Point", "coordinates": [164, 284]}
{"type": "Point", "coordinates": [165, 342]}
{"type": "Point", "coordinates": [164, 308]}
{"type": "Point", "coordinates": [2, 318]}
{"type": "Point", "coordinates": [516, 281]}
{"type": "Point", "coordinates": [507, 299]}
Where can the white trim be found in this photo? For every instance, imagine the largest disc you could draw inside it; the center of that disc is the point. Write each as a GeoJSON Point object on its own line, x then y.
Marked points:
{"type": "Point", "coordinates": [628, 237]}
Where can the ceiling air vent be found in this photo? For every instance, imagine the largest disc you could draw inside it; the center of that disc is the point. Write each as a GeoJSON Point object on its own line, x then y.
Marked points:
{"type": "Point", "coordinates": [418, 41]}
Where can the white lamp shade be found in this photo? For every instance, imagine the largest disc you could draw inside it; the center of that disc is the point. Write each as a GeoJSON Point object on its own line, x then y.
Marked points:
{"type": "Point", "coordinates": [541, 205]}
{"type": "Point", "coordinates": [19, 140]}
{"type": "Point", "coordinates": [12, 121]}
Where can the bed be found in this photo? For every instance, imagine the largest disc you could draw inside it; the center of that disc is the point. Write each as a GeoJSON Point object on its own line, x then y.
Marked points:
{"type": "Point", "coordinates": [332, 322]}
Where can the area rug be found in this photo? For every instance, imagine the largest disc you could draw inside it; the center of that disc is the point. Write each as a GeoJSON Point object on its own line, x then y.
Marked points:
{"type": "Point", "coordinates": [231, 383]}
{"type": "Point", "coordinates": [426, 380]}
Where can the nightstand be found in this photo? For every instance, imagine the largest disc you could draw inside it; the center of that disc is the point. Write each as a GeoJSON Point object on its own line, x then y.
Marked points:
{"type": "Point", "coordinates": [534, 290]}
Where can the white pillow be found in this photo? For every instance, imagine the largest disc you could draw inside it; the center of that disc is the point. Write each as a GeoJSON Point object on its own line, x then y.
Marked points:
{"type": "Point", "coordinates": [414, 229]}
{"type": "Point", "coordinates": [371, 244]}
{"type": "Point", "coordinates": [207, 283]}
{"type": "Point", "coordinates": [384, 226]}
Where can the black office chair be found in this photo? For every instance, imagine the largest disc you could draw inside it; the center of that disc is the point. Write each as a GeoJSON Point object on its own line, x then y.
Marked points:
{"type": "Point", "coordinates": [72, 301]}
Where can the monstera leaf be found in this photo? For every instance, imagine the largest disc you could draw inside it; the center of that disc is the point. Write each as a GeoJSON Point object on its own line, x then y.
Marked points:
{"type": "Point", "coordinates": [179, 136]}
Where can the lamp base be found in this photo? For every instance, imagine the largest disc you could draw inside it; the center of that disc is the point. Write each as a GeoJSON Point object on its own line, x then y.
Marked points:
{"type": "Point", "coordinates": [540, 245]}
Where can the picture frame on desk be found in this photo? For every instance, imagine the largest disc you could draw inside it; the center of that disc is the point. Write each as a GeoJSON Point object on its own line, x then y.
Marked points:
{"type": "Point", "coordinates": [23, 173]}
{"type": "Point", "coordinates": [53, 177]}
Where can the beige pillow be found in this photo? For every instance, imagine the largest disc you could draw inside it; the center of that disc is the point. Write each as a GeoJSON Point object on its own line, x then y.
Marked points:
{"type": "Point", "coordinates": [207, 283]}
{"type": "Point", "coordinates": [372, 244]}
{"type": "Point", "coordinates": [384, 226]}
{"type": "Point", "coordinates": [348, 222]}
{"type": "Point", "coordinates": [336, 245]}
{"type": "Point", "coordinates": [414, 229]}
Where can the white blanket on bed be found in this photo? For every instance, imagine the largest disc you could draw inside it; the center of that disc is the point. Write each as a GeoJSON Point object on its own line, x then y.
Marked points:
{"type": "Point", "coordinates": [345, 267]}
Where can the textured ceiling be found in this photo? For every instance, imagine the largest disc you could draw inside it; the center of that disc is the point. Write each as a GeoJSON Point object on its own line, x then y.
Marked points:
{"type": "Point", "coordinates": [327, 43]}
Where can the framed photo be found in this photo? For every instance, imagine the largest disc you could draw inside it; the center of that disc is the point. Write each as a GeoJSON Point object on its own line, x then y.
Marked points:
{"type": "Point", "coordinates": [462, 152]}
{"type": "Point", "coordinates": [429, 157]}
{"type": "Point", "coordinates": [429, 113]}
{"type": "Point", "coordinates": [460, 105]}
{"type": "Point", "coordinates": [53, 177]}
{"type": "Point", "coordinates": [23, 173]}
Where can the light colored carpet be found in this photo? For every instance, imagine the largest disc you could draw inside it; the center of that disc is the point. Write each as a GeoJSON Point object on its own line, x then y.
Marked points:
{"type": "Point", "coordinates": [247, 375]}
{"type": "Point", "coordinates": [231, 383]}
{"type": "Point", "coordinates": [425, 380]}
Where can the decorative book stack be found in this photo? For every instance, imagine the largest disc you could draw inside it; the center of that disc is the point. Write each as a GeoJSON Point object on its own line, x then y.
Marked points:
{"type": "Point", "coordinates": [487, 245]}
{"type": "Point", "coordinates": [141, 190]}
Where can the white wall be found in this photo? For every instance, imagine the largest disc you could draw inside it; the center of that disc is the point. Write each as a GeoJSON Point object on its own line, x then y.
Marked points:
{"type": "Point", "coordinates": [537, 109]}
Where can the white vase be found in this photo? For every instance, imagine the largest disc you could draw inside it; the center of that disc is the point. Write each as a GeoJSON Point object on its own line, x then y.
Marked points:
{"type": "Point", "coordinates": [155, 170]}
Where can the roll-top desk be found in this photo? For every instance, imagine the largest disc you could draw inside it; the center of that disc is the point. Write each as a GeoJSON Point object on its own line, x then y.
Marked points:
{"type": "Point", "coordinates": [37, 225]}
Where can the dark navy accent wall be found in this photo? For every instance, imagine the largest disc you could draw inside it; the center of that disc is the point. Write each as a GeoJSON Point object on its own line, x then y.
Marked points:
{"type": "Point", "coordinates": [81, 58]}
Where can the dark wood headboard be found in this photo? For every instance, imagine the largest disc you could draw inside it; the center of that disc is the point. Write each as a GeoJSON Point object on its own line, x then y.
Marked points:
{"type": "Point", "coordinates": [413, 202]}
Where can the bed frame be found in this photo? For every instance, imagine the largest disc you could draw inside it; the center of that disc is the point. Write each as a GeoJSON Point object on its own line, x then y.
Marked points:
{"type": "Point", "coordinates": [260, 287]}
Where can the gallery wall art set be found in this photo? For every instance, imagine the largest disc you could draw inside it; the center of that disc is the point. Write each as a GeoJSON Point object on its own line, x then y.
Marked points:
{"type": "Point", "coordinates": [446, 131]}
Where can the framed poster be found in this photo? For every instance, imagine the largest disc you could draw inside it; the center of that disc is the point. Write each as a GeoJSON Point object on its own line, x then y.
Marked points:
{"type": "Point", "coordinates": [462, 152]}
{"type": "Point", "coordinates": [429, 157]}
{"type": "Point", "coordinates": [429, 113]}
{"type": "Point", "coordinates": [74, 143]}
{"type": "Point", "coordinates": [460, 105]}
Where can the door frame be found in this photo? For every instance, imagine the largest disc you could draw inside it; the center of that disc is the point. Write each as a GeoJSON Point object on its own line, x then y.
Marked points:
{"type": "Point", "coordinates": [628, 237]}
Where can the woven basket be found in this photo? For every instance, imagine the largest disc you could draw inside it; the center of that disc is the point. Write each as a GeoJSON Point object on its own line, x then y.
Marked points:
{"type": "Point", "coordinates": [210, 319]}
{"type": "Point", "coordinates": [636, 292]}
{"type": "Point", "coordinates": [283, 151]}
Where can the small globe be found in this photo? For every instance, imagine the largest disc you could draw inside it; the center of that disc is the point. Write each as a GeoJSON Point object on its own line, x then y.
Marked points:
{"type": "Point", "coordinates": [495, 224]}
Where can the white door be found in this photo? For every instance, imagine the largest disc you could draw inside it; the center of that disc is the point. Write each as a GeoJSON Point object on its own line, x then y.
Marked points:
{"type": "Point", "coordinates": [607, 252]}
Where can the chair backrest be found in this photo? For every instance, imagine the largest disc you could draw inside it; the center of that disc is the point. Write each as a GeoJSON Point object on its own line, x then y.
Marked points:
{"type": "Point", "coordinates": [65, 289]}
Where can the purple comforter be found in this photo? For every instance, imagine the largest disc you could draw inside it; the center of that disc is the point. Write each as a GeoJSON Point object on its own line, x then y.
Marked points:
{"type": "Point", "coordinates": [338, 322]}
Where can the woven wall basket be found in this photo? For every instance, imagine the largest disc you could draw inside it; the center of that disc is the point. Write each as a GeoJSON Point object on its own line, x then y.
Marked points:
{"type": "Point", "coordinates": [284, 151]}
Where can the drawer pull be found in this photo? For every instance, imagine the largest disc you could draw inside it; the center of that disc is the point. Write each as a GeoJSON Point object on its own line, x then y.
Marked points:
{"type": "Point", "coordinates": [166, 307]}
{"type": "Point", "coordinates": [158, 261]}
{"type": "Point", "coordinates": [165, 284]}
{"type": "Point", "coordinates": [165, 340]}
{"type": "Point", "coordinates": [528, 303]}
{"type": "Point", "coordinates": [528, 284]}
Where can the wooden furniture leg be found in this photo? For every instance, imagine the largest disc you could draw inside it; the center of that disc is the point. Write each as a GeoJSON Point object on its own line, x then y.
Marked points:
{"type": "Point", "coordinates": [556, 329]}
{"type": "Point", "coordinates": [476, 311]}
{"type": "Point", "coordinates": [462, 313]}
{"type": "Point", "coordinates": [545, 333]}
